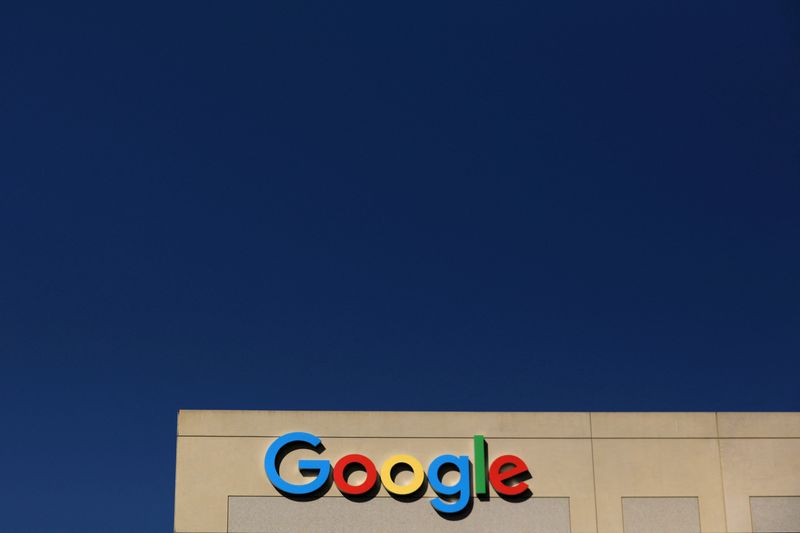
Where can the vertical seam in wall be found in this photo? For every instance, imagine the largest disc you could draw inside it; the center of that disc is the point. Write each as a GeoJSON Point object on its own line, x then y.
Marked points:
{"type": "Point", "coordinates": [700, 515]}
{"type": "Point", "coordinates": [594, 478]}
{"type": "Point", "coordinates": [721, 474]}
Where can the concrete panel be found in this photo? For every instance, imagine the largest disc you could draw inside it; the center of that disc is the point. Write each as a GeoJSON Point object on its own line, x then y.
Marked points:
{"type": "Point", "coordinates": [658, 467]}
{"type": "Point", "coordinates": [775, 514]}
{"type": "Point", "coordinates": [654, 425]}
{"type": "Point", "coordinates": [335, 515]}
{"type": "Point", "coordinates": [661, 515]}
{"type": "Point", "coordinates": [212, 468]}
{"type": "Point", "coordinates": [759, 425]}
{"type": "Point", "coordinates": [757, 467]}
{"type": "Point", "coordinates": [383, 424]}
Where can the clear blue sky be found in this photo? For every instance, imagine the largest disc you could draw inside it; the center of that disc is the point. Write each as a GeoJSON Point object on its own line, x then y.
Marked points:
{"type": "Point", "coordinates": [502, 206]}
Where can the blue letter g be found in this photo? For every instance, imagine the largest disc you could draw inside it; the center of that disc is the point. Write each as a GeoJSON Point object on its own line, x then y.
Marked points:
{"type": "Point", "coordinates": [321, 467]}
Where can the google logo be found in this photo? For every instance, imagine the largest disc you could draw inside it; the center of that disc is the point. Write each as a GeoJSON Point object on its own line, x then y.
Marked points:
{"type": "Point", "coordinates": [504, 473]}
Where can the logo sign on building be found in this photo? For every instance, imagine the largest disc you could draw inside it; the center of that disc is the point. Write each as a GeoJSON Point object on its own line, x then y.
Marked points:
{"type": "Point", "coordinates": [505, 474]}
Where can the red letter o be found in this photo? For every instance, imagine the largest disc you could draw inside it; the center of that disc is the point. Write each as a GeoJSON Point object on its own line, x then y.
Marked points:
{"type": "Point", "coordinates": [365, 464]}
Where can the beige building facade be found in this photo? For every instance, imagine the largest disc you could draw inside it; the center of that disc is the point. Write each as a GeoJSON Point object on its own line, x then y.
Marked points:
{"type": "Point", "coordinates": [589, 472]}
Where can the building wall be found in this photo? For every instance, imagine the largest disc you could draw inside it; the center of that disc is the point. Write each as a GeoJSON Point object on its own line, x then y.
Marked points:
{"type": "Point", "coordinates": [604, 472]}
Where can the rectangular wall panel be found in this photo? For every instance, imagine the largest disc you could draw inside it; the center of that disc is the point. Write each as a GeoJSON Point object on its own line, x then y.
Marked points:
{"type": "Point", "coordinates": [775, 514]}
{"type": "Point", "coordinates": [254, 514]}
{"type": "Point", "coordinates": [661, 515]}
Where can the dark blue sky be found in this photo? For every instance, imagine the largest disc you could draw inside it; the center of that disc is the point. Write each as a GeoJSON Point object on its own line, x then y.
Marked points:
{"type": "Point", "coordinates": [496, 206]}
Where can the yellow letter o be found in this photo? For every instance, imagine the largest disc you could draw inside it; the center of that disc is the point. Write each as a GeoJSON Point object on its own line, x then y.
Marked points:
{"type": "Point", "coordinates": [416, 470]}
